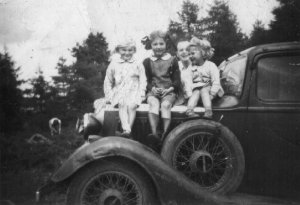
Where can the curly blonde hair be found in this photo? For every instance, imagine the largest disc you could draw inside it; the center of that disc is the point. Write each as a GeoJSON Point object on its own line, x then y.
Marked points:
{"type": "Point", "coordinates": [205, 47]}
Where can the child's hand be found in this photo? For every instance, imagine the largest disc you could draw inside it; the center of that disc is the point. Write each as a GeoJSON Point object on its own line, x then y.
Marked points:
{"type": "Point", "coordinates": [98, 102]}
{"type": "Point", "coordinates": [156, 91]}
{"type": "Point", "coordinates": [167, 91]}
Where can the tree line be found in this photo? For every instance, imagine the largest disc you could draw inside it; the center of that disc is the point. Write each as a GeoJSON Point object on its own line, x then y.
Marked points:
{"type": "Point", "coordinates": [72, 91]}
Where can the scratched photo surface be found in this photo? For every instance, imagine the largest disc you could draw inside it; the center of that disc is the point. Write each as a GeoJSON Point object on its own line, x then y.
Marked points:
{"type": "Point", "coordinates": [54, 58]}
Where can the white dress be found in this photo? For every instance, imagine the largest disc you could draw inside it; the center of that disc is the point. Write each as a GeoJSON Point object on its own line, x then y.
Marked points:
{"type": "Point", "coordinates": [125, 82]}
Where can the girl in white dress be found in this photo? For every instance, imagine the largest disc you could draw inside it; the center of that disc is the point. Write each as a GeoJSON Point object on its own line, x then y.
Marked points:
{"type": "Point", "coordinates": [125, 84]}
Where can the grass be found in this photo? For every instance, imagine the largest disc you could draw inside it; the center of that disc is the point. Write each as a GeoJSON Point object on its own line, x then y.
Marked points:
{"type": "Point", "coordinates": [25, 167]}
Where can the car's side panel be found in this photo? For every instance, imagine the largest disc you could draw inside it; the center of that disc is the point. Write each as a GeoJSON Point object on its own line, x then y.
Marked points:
{"type": "Point", "coordinates": [273, 153]}
{"type": "Point", "coordinates": [172, 186]}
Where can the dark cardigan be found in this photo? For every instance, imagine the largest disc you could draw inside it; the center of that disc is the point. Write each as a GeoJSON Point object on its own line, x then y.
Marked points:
{"type": "Point", "coordinates": [173, 71]}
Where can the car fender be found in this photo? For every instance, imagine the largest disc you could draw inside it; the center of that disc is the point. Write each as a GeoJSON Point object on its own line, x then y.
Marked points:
{"type": "Point", "coordinates": [171, 186]}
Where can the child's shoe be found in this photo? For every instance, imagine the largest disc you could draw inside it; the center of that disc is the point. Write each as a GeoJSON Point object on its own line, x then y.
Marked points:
{"type": "Point", "coordinates": [191, 113]}
{"type": "Point", "coordinates": [208, 114]}
{"type": "Point", "coordinates": [126, 134]}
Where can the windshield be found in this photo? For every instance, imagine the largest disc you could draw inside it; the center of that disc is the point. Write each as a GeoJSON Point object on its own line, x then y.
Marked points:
{"type": "Point", "coordinates": [233, 74]}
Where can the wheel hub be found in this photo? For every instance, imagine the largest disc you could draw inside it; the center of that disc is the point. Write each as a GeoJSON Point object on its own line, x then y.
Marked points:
{"type": "Point", "coordinates": [201, 161]}
{"type": "Point", "coordinates": [111, 197]}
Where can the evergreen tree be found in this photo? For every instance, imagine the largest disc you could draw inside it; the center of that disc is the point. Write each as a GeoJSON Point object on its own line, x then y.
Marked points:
{"type": "Point", "coordinates": [10, 95]}
{"type": "Point", "coordinates": [259, 34]}
{"type": "Point", "coordinates": [89, 69]}
{"type": "Point", "coordinates": [220, 28]}
{"type": "Point", "coordinates": [41, 91]}
{"type": "Point", "coordinates": [189, 25]}
{"type": "Point", "coordinates": [224, 32]}
{"type": "Point", "coordinates": [286, 25]}
{"type": "Point", "coordinates": [65, 79]}
{"type": "Point", "coordinates": [189, 16]}
{"type": "Point", "coordinates": [81, 83]}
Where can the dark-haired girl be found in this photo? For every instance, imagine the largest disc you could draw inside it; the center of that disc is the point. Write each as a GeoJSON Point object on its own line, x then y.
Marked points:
{"type": "Point", "coordinates": [163, 82]}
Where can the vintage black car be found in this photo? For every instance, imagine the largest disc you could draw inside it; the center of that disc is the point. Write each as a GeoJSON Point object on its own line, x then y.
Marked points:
{"type": "Point", "coordinates": [252, 145]}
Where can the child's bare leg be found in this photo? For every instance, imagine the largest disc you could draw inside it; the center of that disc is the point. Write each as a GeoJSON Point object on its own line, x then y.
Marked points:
{"type": "Point", "coordinates": [206, 100]}
{"type": "Point", "coordinates": [153, 113]}
{"type": "Point", "coordinates": [124, 118]}
{"type": "Point", "coordinates": [131, 110]}
{"type": "Point", "coordinates": [192, 103]}
{"type": "Point", "coordinates": [166, 114]}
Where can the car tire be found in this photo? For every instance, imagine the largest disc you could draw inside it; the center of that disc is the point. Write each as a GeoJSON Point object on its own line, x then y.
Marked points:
{"type": "Point", "coordinates": [110, 182]}
{"type": "Point", "coordinates": [206, 152]}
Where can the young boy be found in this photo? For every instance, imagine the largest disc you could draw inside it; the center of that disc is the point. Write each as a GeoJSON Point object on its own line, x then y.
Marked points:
{"type": "Point", "coordinates": [185, 67]}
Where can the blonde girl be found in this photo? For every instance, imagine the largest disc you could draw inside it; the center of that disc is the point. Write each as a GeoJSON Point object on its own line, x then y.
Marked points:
{"type": "Point", "coordinates": [125, 84]}
{"type": "Point", "coordinates": [206, 77]}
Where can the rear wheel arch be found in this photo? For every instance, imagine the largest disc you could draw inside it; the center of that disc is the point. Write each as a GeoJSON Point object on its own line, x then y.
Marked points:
{"type": "Point", "coordinates": [120, 159]}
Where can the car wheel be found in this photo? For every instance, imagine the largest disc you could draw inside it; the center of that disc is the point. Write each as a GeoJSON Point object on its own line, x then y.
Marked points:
{"type": "Point", "coordinates": [110, 183]}
{"type": "Point", "coordinates": [206, 152]}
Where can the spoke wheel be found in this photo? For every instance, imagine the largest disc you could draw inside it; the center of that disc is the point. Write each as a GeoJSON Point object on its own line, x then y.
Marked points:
{"type": "Point", "coordinates": [111, 188]}
{"type": "Point", "coordinates": [203, 158]}
{"type": "Point", "coordinates": [206, 152]}
{"type": "Point", "coordinates": [109, 183]}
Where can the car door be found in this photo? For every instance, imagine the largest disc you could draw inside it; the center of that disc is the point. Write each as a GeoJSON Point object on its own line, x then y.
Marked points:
{"type": "Point", "coordinates": [273, 125]}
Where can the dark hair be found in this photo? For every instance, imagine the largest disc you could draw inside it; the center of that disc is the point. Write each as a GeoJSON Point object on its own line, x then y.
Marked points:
{"type": "Point", "coordinates": [158, 34]}
{"type": "Point", "coordinates": [147, 40]}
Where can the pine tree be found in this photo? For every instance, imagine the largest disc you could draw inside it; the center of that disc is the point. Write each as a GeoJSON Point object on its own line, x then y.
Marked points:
{"type": "Point", "coordinates": [40, 91]}
{"type": "Point", "coordinates": [10, 95]}
{"type": "Point", "coordinates": [224, 32]}
{"type": "Point", "coordinates": [189, 24]}
{"type": "Point", "coordinates": [286, 25]}
{"type": "Point", "coordinates": [259, 34]}
{"type": "Point", "coordinates": [91, 62]}
{"type": "Point", "coordinates": [81, 83]}
{"type": "Point", "coordinates": [220, 28]}
{"type": "Point", "coordinates": [65, 78]}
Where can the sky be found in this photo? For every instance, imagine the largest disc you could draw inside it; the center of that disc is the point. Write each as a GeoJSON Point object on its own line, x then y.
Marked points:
{"type": "Point", "coordinates": [37, 32]}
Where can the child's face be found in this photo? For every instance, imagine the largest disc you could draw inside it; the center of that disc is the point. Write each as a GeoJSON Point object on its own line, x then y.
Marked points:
{"type": "Point", "coordinates": [183, 51]}
{"type": "Point", "coordinates": [126, 52]}
{"type": "Point", "coordinates": [158, 46]}
{"type": "Point", "coordinates": [196, 55]}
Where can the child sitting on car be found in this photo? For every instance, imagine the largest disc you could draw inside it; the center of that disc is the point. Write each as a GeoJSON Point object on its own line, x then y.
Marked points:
{"type": "Point", "coordinates": [163, 83]}
{"type": "Point", "coordinates": [124, 87]}
{"type": "Point", "coordinates": [206, 77]}
{"type": "Point", "coordinates": [125, 84]}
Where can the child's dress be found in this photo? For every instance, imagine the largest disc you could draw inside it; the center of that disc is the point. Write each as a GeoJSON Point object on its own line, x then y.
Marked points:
{"type": "Point", "coordinates": [207, 76]}
{"type": "Point", "coordinates": [162, 73]}
{"type": "Point", "coordinates": [125, 82]}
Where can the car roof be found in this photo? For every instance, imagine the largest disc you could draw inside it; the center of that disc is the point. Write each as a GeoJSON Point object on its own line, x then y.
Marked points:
{"type": "Point", "coordinates": [274, 47]}
{"type": "Point", "coordinates": [252, 51]}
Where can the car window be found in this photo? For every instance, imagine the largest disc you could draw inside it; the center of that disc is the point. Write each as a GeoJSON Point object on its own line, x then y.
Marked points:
{"type": "Point", "coordinates": [278, 78]}
{"type": "Point", "coordinates": [232, 75]}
